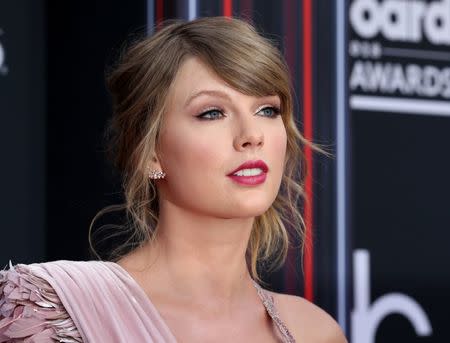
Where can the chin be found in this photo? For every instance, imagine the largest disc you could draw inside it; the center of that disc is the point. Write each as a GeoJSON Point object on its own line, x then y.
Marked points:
{"type": "Point", "coordinates": [251, 210]}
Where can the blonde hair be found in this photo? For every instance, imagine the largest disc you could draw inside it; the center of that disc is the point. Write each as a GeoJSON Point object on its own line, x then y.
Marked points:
{"type": "Point", "coordinates": [139, 84]}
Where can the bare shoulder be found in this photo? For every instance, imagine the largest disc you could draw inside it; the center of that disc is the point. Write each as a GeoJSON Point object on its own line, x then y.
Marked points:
{"type": "Point", "coordinates": [306, 321]}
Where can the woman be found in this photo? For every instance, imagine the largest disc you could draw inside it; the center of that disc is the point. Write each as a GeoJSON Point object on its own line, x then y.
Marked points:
{"type": "Point", "coordinates": [204, 135]}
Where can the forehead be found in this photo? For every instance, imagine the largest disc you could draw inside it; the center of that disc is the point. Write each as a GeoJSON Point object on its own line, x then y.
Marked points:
{"type": "Point", "coordinates": [192, 77]}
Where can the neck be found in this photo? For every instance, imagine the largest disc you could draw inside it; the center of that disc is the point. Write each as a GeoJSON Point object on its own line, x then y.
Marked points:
{"type": "Point", "coordinates": [200, 256]}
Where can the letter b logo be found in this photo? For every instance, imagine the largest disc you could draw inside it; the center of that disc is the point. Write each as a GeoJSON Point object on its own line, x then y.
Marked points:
{"type": "Point", "coordinates": [366, 317]}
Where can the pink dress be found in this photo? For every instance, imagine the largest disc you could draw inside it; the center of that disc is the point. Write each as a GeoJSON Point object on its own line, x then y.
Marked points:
{"type": "Point", "coordinates": [95, 301]}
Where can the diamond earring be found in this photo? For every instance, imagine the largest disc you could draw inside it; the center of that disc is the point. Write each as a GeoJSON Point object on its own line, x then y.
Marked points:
{"type": "Point", "coordinates": [156, 174]}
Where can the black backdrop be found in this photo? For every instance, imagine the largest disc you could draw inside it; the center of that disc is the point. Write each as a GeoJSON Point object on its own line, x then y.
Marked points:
{"type": "Point", "coordinates": [23, 131]}
{"type": "Point", "coordinates": [82, 40]}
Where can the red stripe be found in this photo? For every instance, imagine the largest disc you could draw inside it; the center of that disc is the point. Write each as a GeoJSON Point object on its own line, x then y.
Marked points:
{"type": "Point", "coordinates": [227, 8]}
{"type": "Point", "coordinates": [159, 13]}
{"type": "Point", "coordinates": [308, 133]}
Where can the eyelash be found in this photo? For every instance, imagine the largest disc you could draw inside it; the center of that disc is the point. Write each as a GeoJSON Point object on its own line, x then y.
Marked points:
{"type": "Point", "coordinates": [202, 116]}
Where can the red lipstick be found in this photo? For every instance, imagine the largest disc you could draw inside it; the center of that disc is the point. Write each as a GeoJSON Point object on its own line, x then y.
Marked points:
{"type": "Point", "coordinates": [246, 174]}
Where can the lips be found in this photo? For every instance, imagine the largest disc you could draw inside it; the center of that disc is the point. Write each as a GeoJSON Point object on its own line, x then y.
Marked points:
{"type": "Point", "coordinates": [248, 173]}
{"type": "Point", "coordinates": [251, 165]}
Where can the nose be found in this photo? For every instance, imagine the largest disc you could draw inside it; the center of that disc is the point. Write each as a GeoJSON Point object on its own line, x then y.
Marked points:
{"type": "Point", "coordinates": [249, 137]}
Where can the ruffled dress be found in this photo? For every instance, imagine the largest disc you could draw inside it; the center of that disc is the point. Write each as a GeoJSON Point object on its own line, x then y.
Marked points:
{"type": "Point", "coordinates": [95, 301]}
{"type": "Point", "coordinates": [31, 310]}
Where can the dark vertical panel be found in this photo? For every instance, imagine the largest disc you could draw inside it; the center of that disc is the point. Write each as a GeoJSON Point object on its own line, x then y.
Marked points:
{"type": "Point", "coordinates": [246, 8]}
{"type": "Point", "coordinates": [402, 217]}
{"type": "Point", "coordinates": [22, 138]}
{"type": "Point", "coordinates": [400, 52]}
{"type": "Point", "coordinates": [172, 9]}
{"type": "Point", "coordinates": [267, 17]}
{"type": "Point", "coordinates": [324, 133]}
{"type": "Point", "coordinates": [82, 38]}
{"type": "Point", "coordinates": [210, 8]}
{"type": "Point", "coordinates": [292, 46]}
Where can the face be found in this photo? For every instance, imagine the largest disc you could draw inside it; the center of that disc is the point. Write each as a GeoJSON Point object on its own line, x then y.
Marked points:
{"type": "Point", "coordinates": [209, 131]}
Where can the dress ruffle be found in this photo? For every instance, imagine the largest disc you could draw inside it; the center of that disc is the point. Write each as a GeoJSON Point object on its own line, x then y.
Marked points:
{"type": "Point", "coordinates": [31, 311]}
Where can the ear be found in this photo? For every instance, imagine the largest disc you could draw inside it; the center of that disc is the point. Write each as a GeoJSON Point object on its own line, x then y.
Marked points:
{"type": "Point", "coordinates": [154, 170]}
{"type": "Point", "coordinates": [154, 164]}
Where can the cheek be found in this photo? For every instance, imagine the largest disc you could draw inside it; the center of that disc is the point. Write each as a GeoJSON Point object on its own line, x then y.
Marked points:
{"type": "Point", "coordinates": [281, 142]}
{"type": "Point", "coordinates": [191, 162]}
{"type": "Point", "coordinates": [278, 153]}
{"type": "Point", "coordinates": [278, 148]}
{"type": "Point", "coordinates": [185, 153]}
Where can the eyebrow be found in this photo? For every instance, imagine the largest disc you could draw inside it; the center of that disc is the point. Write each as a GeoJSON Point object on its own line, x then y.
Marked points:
{"type": "Point", "coordinates": [215, 93]}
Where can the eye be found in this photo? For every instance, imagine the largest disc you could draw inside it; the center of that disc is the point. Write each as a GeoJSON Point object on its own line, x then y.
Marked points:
{"type": "Point", "coordinates": [211, 114]}
{"type": "Point", "coordinates": [269, 111]}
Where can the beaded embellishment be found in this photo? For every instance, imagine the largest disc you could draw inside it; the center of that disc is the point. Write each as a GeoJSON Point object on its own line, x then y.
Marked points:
{"type": "Point", "coordinates": [31, 311]}
{"type": "Point", "coordinates": [268, 303]}
{"type": "Point", "coordinates": [156, 174]}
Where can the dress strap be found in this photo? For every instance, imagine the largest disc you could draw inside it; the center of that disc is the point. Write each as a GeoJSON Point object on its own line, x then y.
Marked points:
{"type": "Point", "coordinates": [269, 304]}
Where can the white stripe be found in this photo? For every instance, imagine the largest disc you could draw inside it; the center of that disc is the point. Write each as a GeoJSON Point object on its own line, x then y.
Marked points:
{"type": "Point", "coordinates": [150, 16]}
{"type": "Point", "coordinates": [341, 161]}
{"type": "Point", "coordinates": [400, 105]}
{"type": "Point", "coordinates": [192, 9]}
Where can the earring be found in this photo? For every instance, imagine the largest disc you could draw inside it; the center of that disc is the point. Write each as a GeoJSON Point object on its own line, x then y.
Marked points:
{"type": "Point", "coordinates": [156, 174]}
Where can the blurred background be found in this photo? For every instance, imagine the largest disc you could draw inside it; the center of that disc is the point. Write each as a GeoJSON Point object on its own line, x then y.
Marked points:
{"type": "Point", "coordinates": [372, 82]}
